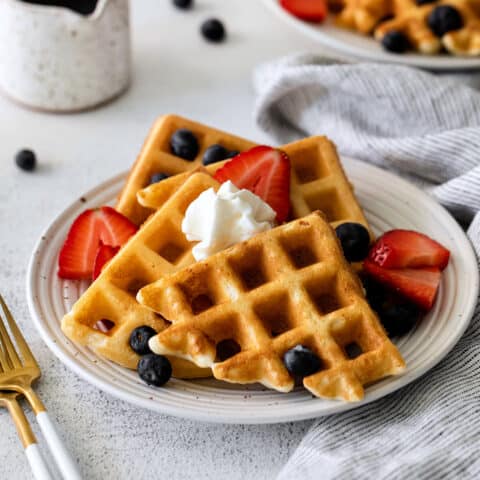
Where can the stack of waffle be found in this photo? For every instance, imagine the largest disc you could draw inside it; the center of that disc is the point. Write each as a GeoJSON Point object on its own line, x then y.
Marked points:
{"type": "Point", "coordinates": [287, 286]}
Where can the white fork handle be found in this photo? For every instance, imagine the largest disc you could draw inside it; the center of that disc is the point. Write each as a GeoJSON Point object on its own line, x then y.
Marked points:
{"type": "Point", "coordinates": [37, 463]}
{"type": "Point", "coordinates": [63, 459]}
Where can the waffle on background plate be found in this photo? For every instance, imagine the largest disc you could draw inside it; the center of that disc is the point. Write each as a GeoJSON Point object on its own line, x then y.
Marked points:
{"type": "Point", "coordinates": [284, 287]}
{"type": "Point", "coordinates": [410, 18]}
{"type": "Point", "coordinates": [159, 248]}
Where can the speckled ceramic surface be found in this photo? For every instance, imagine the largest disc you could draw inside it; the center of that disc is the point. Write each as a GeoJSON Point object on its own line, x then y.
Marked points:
{"type": "Point", "coordinates": [52, 58]}
{"type": "Point", "coordinates": [389, 202]}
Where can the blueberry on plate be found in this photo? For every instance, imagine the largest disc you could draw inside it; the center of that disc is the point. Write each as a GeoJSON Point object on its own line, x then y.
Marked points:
{"type": "Point", "coordinates": [375, 293]}
{"type": "Point", "coordinates": [184, 144]}
{"type": "Point", "coordinates": [214, 153]}
{"type": "Point", "coordinates": [158, 177]}
{"type": "Point", "coordinates": [139, 339]}
{"type": "Point", "coordinates": [154, 369]}
{"type": "Point", "coordinates": [395, 42]}
{"type": "Point", "coordinates": [26, 160]}
{"type": "Point", "coordinates": [213, 30]}
{"type": "Point", "coordinates": [183, 4]}
{"type": "Point", "coordinates": [399, 319]}
{"type": "Point", "coordinates": [443, 19]}
{"type": "Point", "coordinates": [355, 240]}
{"type": "Point", "coordinates": [300, 361]}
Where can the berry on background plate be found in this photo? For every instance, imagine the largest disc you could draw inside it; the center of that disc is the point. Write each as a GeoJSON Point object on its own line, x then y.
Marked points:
{"type": "Point", "coordinates": [308, 10]}
{"type": "Point", "coordinates": [26, 160]}
{"type": "Point", "coordinates": [154, 369]}
{"type": "Point", "coordinates": [264, 171]}
{"type": "Point", "coordinates": [213, 30]}
{"type": "Point", "coordinates": [77, 255]}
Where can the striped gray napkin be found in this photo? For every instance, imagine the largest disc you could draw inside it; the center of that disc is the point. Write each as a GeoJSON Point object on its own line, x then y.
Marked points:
{"type": "Point", "coordinates": [427, 128]}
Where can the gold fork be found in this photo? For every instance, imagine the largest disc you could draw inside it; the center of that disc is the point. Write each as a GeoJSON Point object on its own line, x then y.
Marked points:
{"type": "Point", "coordinates": [18, 370]}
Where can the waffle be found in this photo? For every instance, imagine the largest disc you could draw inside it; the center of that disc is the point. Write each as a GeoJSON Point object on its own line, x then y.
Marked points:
{"type": "Point", "coordinates": [158, 248]}
{"type": "Point", "coordinates": [318, 182]}
{"type": "Point", "coordinates": [407, 17]}
{"type": "Point", "coordinates": [156, 157]}
{"type": "Point", "coordinates": [290, 285]}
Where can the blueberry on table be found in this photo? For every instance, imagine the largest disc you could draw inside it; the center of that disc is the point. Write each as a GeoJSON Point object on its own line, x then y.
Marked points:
{"type": "Point", "coordinates": [26, 160]}
{"type": "Point", "coordinates": [183, 4]}
{"type": "Point", "coordinates": [213, 30]}
{"type": "Point", "coordinates": [154, 369]}
{"type": "Point", "coordinates": [399, 319]}
{"type": "Point", "coordinates": [355, 240]}
{"type": "Point", "coordinates": [300, 361]}
{"type": "Point", "coordinates": [214, 153]}
{"type": "Point", "coordinates": [443, 19]}
{"type": "Point", "coordinates": [395, 42]}
{"type": "Point", "coordinates": [139, 339]}
{"type": "Point", "coordinates": [184, 144]}
{"type": "Point", "coordinates": [158, 177]}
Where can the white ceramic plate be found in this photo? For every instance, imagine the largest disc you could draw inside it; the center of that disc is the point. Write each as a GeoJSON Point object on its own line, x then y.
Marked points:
{"type": "Point", "coordinates": [352, 43]}
{"type": "Point", "coordinates": [389, 202]}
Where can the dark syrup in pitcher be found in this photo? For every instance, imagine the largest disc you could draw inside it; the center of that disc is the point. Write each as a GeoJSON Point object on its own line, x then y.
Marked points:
{"type": "Point", "coordinates": [84, 7]}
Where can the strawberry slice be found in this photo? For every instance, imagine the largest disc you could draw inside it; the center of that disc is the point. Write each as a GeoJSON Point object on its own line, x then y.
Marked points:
{"type": "Point", "coordinates": [104, 254]}
{"type": "Point", "coordinates": [408, 249]}
{"type": "Point", "coordinates": [264, 171]}
{"type": "Point", "coordinates": [419, 285]}
{"type": "Point", "coordinates": [106, 225]}
{"type": "Point", "coordinates": [309, 10]}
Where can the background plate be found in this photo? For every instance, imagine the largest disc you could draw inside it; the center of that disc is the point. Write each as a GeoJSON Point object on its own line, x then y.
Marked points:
{"type": "Point", "coordinates": [352, 43]}
{"type": "Point", "coordinates": [388, 201]}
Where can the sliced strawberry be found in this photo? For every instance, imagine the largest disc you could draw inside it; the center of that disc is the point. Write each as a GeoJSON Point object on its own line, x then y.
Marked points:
{"type": "Point", "coordinates": [104, 254]}
{"type": "Point", "coordinates": [106, 225]}
{"type": "Point", "coordinates": [264, 171]}
{"type": "Point", "coordinates": [419, 285]}
{"type": "Point", "coordinates": [406, 248]}
{"type": "Point", "coordinates": [309, 10]}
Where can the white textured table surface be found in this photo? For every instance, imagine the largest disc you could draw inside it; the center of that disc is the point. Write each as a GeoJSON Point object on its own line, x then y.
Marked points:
{"type": "Point", "coordinates": [174, 71]}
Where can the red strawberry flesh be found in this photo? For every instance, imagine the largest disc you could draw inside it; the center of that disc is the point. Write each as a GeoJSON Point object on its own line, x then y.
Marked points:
{"type": "Point", "coordinates": [106, 225]}
{"type": "Point", "coordinates": [264, 171]}
{"type": "Point", "coordinates": [104, 254]}
{"type": "Point", "coordinates": [308, 10]}
{"type": "Point", "coordinates": [408, 249]}
{"type": "Point", "coordinates": [419, 285]}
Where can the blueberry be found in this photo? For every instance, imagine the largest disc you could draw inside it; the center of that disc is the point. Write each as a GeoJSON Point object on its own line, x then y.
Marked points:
{"type": "Point", "coordinates": [158, 177]}
{"type": "Point", "coordinates": [355, 240]}
{"type": "Point", "coordinates": [154, 369]}
{"type": "Point", "coordinates": [213, 30]}
{"type": "Point", "coordinates": [375, 293]}
{"type": "Point", "coordinates": [398, 319]}
{"type": "Point", "coordinates": [214, 153]}
{"type": "Point", "coordinates": [26, 160]}
{"type": "Point", "coordinates": [184, 144]}
{"type": "Point", "coordinates": [395, 41]}
{"type": "Point", "coordinates": [232, 153]}
{"type": "Point", "coordinates": [139, 339]}
{"type": "Point", "coordinates": [183, 4]}
{"type": "Point", "coordinates": [300, 361]}
{"type": "Point", "coordinates": [444, 18]}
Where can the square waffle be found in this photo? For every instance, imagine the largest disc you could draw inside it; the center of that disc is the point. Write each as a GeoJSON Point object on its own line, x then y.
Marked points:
{"type": "Point", "coordinates": [288, 286]}
{"type": "Point", "coordinates": [410, 18]}
{"type": "Point", "coordinates": [156, 157]}
{"type": "Point", "coordinates": [158, 248]}
{"type": "Point", "coordinates": [318, 182]}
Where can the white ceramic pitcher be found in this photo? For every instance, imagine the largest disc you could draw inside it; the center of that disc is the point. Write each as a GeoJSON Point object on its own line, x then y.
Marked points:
{"type": "Point", "coordinates": [54, 59]}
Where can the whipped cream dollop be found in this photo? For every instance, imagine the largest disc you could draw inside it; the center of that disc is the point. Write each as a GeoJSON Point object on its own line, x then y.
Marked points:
{"type": "Point", "coordinates": [219, 220]}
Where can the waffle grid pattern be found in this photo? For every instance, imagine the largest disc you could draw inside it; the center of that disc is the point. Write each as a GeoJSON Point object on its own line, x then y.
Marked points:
{"type": "Point", "coordinates": [288, 286]}
{"type": "Point", "coordinates": [318, 182]}
{"type": "Point", "coordinates": [156, 157]}
{"type": "Point", "coordinates": [158, 248]}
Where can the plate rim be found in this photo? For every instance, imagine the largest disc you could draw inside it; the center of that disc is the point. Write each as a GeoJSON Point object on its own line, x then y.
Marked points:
{"type": "Point", "coordinates": [248, 418]}
{"type": "Point", "coordinates": [433, 62]}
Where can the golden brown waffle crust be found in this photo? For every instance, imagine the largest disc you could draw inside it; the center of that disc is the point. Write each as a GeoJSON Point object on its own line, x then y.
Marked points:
{"type": "Point", "coordinates": [156, 157]}
{"type": "Point", "coordinates": [288, 286]}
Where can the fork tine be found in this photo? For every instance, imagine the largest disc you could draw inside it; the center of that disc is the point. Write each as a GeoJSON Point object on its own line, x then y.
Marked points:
{"type": "Point", "coordinates": [7, 342]}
